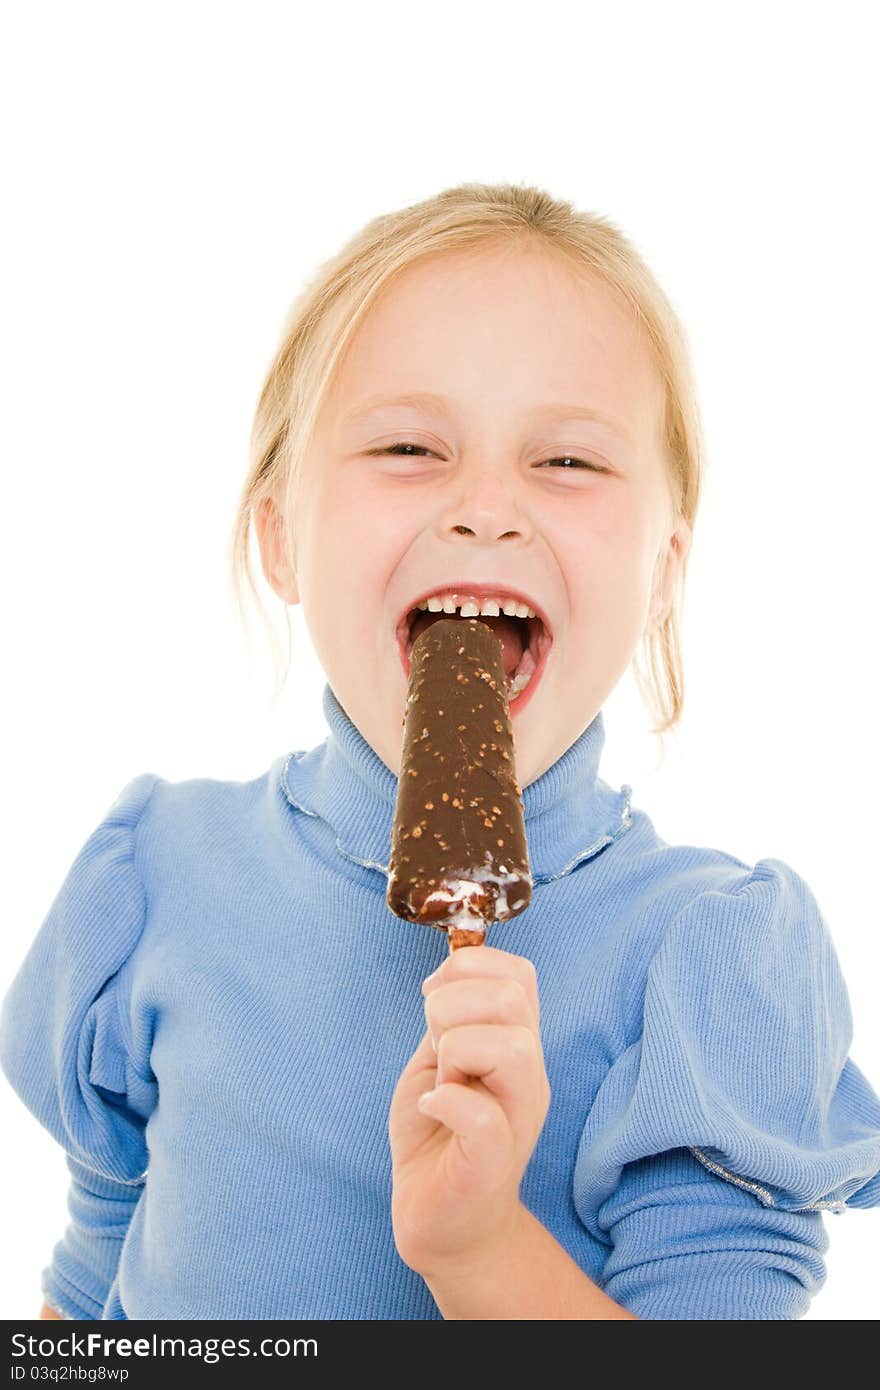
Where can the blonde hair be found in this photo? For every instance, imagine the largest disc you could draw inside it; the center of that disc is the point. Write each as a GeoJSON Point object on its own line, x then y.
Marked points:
{"type": "Point", "coordinates": [325, 315]}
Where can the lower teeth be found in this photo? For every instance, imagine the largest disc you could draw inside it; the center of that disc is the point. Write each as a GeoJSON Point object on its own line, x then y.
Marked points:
{"type": "Point", "coordinates": [523, 676]}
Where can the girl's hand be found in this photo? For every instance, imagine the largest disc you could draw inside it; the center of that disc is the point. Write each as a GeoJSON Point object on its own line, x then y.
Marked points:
{"type": "Point", "coordinates": [465, 1118]}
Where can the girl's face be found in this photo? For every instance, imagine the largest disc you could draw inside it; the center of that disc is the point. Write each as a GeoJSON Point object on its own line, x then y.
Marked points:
{"type": "Point", "coordinates": [535, 468]}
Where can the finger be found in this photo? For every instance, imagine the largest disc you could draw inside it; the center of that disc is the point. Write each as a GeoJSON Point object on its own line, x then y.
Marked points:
{"type": "Point", "coordinates": [419, 1075]}
{"type": "Point", "coordinates": [415, 1076]}
{"type": "Point", "coordinates": [486, 962]}
{"type": "Point", "coordinates": [509, 1062]}
{"type": "Point", "coordinates": [501, 1000]}
{"type": "Point", "coordinates": [480, 1125]}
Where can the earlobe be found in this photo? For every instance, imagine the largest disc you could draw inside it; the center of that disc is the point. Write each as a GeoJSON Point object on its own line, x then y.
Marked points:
{"type": "Point", "coordinates": [272, 535]}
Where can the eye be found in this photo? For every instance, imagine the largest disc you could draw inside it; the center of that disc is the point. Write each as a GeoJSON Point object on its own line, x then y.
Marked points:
{"type": "Point", "coordinates": [576, 462]}
{"type": "Point", "coordinates": [403, 449]}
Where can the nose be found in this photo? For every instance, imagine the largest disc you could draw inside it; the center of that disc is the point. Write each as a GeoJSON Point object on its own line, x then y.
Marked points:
{"type": "Point", "coordinates": [486, 509]}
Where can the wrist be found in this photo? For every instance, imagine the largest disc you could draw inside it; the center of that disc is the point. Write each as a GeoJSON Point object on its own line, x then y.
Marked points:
{"type": "Point", "coordinates": [521, 1273]}
{"type": "Point", "coordinates": [484, 1262]}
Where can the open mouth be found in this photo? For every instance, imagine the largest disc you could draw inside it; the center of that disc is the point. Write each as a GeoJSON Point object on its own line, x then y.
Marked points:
{"type": "Point", "coordinates": [526, 643]}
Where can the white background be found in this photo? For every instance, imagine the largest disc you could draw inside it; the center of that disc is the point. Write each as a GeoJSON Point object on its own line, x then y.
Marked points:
{"type": "Point", "coordinates": [174, 172]}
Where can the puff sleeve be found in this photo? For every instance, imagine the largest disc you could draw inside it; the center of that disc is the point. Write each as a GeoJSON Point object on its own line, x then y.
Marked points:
{"type": "Point", "coordinates": [719, 1136]}
{"type": "Point", "coordinates": [63, 1049]}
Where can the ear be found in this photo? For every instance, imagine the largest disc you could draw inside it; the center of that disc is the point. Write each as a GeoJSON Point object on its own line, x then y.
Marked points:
{"type": "Point", "coordinates": [669, 563]}
{"type": "Point", "coordinates": [271, 532]}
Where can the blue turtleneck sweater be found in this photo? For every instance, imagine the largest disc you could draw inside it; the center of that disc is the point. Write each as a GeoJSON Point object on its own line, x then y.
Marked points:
{"type": "Point", "coordinates": [215, 1012]}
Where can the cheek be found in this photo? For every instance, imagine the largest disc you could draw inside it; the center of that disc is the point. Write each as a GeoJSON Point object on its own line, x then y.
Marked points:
{"type": "Point", "coordinates": [350, 542]}
{"type": "Point", "coordinates": [322, 545]}
{"type": "Point", "coordinates": [355, 504]}
{"type": "Point", "coordinates": [607, 536]}
{"type": "Point", "coordinates": [608, 559]}
{"type": "Point", "coordinates": [335, 522]}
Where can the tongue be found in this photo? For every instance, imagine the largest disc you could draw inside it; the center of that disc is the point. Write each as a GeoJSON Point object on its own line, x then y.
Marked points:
{"type": "Point", "coordinates": [509, 632]}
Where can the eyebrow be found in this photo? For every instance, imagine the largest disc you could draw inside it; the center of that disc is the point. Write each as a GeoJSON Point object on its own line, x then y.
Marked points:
{"type": "Point", "coordinates": [427, 400]}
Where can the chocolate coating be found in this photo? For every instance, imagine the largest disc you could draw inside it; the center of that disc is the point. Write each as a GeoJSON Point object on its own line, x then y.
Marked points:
{"type": "Point", "coordinates": [458, 843]}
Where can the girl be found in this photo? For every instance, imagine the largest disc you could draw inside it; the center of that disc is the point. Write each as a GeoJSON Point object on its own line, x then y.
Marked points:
{"type": "Point", "coordinates": [277, 1099]}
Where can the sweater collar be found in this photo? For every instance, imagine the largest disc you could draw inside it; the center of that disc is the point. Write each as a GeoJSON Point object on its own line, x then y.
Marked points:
{"type": "Point", "coordinates": [570, 813]}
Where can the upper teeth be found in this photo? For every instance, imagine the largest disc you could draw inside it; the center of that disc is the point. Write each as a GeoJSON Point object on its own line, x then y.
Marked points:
{"type": "Point", "coordinates": [489, 607]}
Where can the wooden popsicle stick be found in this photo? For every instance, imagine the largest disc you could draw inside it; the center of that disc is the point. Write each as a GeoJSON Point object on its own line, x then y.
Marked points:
{"type": "Point", "coordinates": [465, 936]}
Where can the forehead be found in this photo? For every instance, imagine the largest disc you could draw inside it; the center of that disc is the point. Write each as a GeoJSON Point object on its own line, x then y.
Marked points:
{"type": "Point", "coordinates": [504, 329]}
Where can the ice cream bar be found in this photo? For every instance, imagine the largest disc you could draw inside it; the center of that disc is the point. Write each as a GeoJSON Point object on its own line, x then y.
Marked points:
{"type": "Point", "coordinates": [459, 856]}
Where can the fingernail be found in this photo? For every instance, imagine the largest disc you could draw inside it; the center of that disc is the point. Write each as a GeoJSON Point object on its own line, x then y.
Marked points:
{"type": "Point", "coordinates": [433, 1040]}
{"type": "Point", "coordinates": [428, 978]}
{"type": "Point", "coordinates": [424, 1100]}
